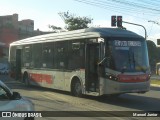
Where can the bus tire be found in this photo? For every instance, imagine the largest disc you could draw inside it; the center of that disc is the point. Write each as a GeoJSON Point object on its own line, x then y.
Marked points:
{"type": "Point", "coordinates": [76, 88]}
{"type": "Point", "coordinates": [26, 79]}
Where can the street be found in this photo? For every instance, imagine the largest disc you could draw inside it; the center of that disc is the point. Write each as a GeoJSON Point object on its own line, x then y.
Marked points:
{"type": "Point", "coordinates": [54, 100]}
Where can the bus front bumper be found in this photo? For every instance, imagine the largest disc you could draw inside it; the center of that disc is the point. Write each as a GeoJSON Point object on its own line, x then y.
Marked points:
{"type": "Point", "coordinates": [113, 87]}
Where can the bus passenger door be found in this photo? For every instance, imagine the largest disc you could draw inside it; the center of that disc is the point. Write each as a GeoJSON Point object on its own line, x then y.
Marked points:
{"type": "Point", "coordinates": [91, 65]}
{"type": "Point", "coordinates": [18, 64]}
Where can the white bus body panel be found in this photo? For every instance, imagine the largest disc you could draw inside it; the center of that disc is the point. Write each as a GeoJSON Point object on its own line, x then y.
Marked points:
{"type": "Point", "coordinates": [58, 79]}
{"type": "Point", "coordinates": [62, 81]}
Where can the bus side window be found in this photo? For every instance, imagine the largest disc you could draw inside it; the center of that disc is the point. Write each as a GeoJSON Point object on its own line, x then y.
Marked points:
{"type": "Point", "coordinates": [13, 54]}
{"type": "Point", "coordinates": [61, 56]}
{"type": "Point", "coordinates": [110, 63]}
{"type": "Point", "coordinates": [37, 58]}
{"type": "Point", "coordinates": [26, 55]}
{"type": "Point", "coordinates": [76, 55]}
{"type": "Point", "coordinates": [47, 55]}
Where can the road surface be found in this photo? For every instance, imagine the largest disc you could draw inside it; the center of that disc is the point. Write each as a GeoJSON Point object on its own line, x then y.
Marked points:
{"type": "Point", "coordinates": [54, 100]}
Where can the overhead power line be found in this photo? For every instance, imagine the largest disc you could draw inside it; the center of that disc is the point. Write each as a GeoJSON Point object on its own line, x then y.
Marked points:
{"type": "Point", "coordinates": [148, 3]}
{"type": "Point", "coordinates": [116, 7]}
{"type": "Point", "coordinates": [124, 7]}
{"type": "Point", "coordinates": [135, 5]}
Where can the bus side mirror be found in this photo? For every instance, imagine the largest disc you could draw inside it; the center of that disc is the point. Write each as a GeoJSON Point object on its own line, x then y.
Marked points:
{"type": "Point", "coordinates": [16, 96]}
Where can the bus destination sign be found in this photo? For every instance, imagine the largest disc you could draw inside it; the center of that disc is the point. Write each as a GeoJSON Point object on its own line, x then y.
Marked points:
{"type": "Point", "coordinates": [127, 43]}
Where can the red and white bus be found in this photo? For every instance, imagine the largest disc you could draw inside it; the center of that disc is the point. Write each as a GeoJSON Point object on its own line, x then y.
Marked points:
{"type": "Point", "coordinates": [92, 61]}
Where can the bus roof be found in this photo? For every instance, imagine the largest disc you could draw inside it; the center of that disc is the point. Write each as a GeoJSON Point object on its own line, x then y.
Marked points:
{"type": "Point", "coordinates": [78, 34]}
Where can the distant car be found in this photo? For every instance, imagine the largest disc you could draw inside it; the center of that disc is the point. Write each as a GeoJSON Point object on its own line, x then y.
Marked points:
{"type": "Point", "coordinates": [12, 101]}
{"type": "Point", "coordinates": [4, 68]}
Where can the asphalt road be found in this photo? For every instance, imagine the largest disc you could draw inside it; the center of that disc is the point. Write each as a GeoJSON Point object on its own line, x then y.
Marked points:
{"type": "Point", "coordinates": [54, 100]}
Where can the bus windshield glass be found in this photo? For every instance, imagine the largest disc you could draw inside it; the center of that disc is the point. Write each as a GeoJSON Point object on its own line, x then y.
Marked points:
{"type": "Point", "coordinates": [126, 55]}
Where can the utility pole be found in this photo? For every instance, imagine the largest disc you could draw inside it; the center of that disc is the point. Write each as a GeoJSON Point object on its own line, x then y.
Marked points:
{"type": "Point", "coordinates": [117, 21]}
{"type": "Point", "coordinates": [137, 25]}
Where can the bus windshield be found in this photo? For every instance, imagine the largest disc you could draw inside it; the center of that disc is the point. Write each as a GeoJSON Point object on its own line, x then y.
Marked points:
{"type": "Point", "coordinates": [126, 55]}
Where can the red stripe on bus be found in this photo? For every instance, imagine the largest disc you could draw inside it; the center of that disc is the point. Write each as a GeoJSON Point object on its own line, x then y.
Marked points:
{"type": "Point", "coordinates": [133, 78]}
{"type": "Point", "coordinates": [41, 78]}
{"type": "Point", "coordinates": [35, 77]}
{"type": "Point", "coordinates": [47, 79]}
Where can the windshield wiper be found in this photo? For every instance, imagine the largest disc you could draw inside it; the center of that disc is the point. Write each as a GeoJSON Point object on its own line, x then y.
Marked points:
{"type": "Point", "coordinates": [101, 62]}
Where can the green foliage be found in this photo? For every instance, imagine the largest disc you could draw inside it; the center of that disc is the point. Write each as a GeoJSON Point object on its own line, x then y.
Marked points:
{"type": "Point", "coordinates": [54, 28]}
{"type": "Point", "coordinates": [154, 55]}
{"type": "Point", "coordinates": [73, 22]}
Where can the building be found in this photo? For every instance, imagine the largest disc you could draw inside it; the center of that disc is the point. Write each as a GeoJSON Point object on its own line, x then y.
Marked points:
{"type": "Point", "coordinates": [8, 28]}
{"type": "Point", "coordinates": [26, 25]}
{"type": "Point", "coordinates": [3, 52]}
{"type": "Point", "coordinates": [26, 28]}
{"type": "Point", "coordinates": [11, 30]}
{"type": "Point", "coordinates": [9, 21]}
{"type": "Point", "coordinates": [8, 33]}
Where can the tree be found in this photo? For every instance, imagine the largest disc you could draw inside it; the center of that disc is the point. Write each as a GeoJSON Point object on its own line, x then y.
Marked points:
{"type": "Point", "coordinates": [73, 22]}
{"type": "Point", "coordinates": [55, 28]}
{"type": "Point", "coordinates": [153, 54]}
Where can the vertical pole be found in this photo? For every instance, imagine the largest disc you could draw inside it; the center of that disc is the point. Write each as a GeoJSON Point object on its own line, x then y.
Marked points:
{"type": "Point", "coordinates": [138, 25]}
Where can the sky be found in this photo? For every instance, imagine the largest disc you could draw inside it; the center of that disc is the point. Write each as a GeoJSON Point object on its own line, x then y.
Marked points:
{"type": "Point", "coordinates": [45, 12]}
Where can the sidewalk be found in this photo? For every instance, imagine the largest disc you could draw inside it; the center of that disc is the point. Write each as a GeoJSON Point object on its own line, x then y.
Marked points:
{"type": "Point", "coordinates": [155, 77]}
{"type": "Point", "coordinates": [155, 85]}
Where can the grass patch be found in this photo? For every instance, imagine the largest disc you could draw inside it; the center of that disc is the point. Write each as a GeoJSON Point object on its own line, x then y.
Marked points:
{"type": "Point", "coordinates": [155, 82]}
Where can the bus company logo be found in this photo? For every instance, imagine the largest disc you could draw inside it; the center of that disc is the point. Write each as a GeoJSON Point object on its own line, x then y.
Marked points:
{"type": "Point", "coordinates": [6, 114]}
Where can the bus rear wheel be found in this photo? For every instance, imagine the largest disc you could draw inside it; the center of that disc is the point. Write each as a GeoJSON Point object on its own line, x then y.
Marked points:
{"type": "Point", "coordinates": [76, 89]}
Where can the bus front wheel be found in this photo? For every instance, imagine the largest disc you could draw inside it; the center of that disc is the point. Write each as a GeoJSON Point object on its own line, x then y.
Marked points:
{"type": "Point", "coordinates": [76, 89]}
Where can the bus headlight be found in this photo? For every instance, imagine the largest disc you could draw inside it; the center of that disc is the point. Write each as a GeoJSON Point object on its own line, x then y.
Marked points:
{"type": "Point", "coordinates": [112, 77]}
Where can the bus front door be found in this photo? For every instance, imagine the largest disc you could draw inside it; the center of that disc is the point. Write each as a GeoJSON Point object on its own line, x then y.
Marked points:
{"type": "Point", "coordinates": [91, 64]}
{"type": "Point", "coordinates": [18, 64]}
